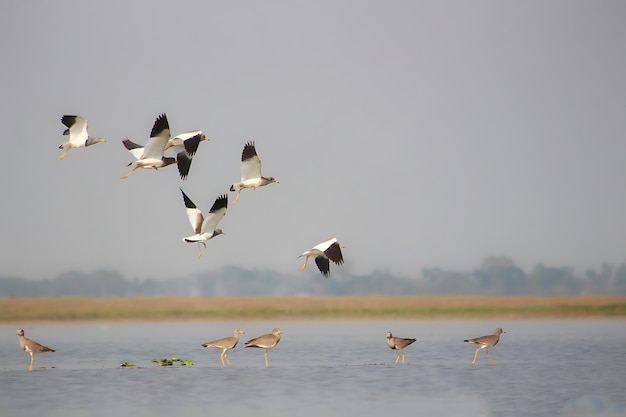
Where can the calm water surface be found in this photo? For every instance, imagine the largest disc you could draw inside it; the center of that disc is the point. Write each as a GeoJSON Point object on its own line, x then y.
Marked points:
{"type": "Point", "coordinates": [329, 368]}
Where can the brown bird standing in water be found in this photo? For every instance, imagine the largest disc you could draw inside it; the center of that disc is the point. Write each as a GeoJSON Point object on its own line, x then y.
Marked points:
{"type": "Point", "coordinates": [31, 347]}
{"type": "Point", "coordinates": [225, 344]}
{"type": "Point", "coordinates": [398, 343]}
{"type": "Point", "coordinates": [486, 342]}
{"type": "Point", "coordinates": [267, 341]}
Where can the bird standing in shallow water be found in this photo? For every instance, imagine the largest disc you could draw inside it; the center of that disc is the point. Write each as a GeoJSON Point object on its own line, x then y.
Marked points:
{"type": "Point", "coordinates": [250, 171]}
{"type": "Point", "coordinates": [398, 343]}
{"type": "Point", "coordinates": [486, 342]}
{"type": "Point", "coordinates": [77, 132]}
{"type": "Point", "coordinates": [329, 249]}
{"type": "Point", "coordinates": [267, 341]}
{"type": "Point", "coordinates": [225, 344]}
{"type": "Point", "coordinates": [31, 347]}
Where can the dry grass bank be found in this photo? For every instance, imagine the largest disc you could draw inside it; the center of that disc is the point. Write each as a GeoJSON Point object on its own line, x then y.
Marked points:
{"type": "Point", "coordinates": [302, 308]}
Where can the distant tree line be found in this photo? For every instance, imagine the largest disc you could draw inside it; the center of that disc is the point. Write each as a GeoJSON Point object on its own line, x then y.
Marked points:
{"type": "Point", "coordinates": [497, 275]}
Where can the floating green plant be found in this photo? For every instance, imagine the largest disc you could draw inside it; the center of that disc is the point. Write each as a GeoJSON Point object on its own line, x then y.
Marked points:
{"type": "Point", "coordinates": [163, 362]}
{"type": "Point", "coordinates": [127, 364]}
{"type": "Point", "coordinates": [170, 362]}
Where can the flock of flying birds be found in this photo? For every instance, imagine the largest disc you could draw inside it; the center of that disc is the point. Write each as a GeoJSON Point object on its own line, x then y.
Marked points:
{"type": "Point", "coordinates": [185, 145]}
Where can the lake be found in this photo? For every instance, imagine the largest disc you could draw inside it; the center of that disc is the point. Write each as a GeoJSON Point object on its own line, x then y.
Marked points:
{"type": "Point", "coordinates": [319, 368]}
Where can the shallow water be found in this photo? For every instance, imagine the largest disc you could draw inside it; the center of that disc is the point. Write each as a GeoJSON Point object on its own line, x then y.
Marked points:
{"type": "Point", "coordinates": [328, 368]}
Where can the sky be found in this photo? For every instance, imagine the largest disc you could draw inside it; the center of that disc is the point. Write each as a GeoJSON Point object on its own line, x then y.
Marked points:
{"type": "Point", "coordinates": [421, 134]}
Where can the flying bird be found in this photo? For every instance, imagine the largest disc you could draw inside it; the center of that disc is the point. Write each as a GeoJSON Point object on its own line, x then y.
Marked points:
{"type": "Point", "coordinates": [486, 342]}
{"type": "Point", "coordinates": [31, 347]}
{"type": "Point", "coordinates": [151, 155]}
{"type": "Point", "coordinates": [205, 228]}
{"type": "Point", "coordinates": [77, 132]}
{"type": "Point", "coordinates": [182, 160]}
{"type": "Point", "coordinates": [185, 146]}
{"type": "Point", "coordinates": [267, 341]}
{"type": "Point", "coordinates": [188, 142]}
{"type": "Point", "coordinates": [398, 343]}
{"type": "Point", "coordinates": [250, 171]}
{"type": "Point", "coordinates": [328, 250]}
{"type": "Point", "coordinates": [225, 344]}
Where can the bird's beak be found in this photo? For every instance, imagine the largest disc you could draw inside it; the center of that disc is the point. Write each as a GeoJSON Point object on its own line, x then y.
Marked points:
{"type": "Point", "coordinates": [169, 145]}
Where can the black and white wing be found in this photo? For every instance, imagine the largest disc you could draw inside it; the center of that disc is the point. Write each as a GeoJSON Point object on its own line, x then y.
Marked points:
{"type": "Point", "coordinates": [159, 136]}
{"type": "Point", "coordinates": [135, 149]}
{"type": "Point", "coordinates": [250, 162]}
{"type": "Point", "coordinates": [183, 162]}
{"type": "Point", "coordinates": [334, 252]}
{"type": "Point", "coordinates": [76, 128]}
{"type": "Point", "coordinates": [194, 214]}
{"type": "Point", "coordinates": [216, 214]}
{"type": "Point", "coordinates": [323, 265]}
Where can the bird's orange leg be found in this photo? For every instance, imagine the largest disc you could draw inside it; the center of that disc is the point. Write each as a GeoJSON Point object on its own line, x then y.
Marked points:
{"type": "Point", "coordinates": [32, 361]}
{"type": "Point", "coordinates": [237, 196]}
{"type": "Point", "coordinates": [475, 355]}
{"type": "Point", "coordinates": [267, 364]}
{"type": "Point", "coordinates": [303, 267]}
{"type": "Point", "coordinates": [129, 174]}
{"type": "Point", "coordinates": [489, 357]}
{"type": "Point", "coordinates": [63, 155]}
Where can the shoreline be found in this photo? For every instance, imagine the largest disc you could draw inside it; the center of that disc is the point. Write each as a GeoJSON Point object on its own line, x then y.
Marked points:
{"type": "Point", "coordinates": [293, 308]}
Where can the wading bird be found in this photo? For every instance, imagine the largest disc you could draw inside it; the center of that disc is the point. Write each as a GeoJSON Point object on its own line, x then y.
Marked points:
{"type": "Point", "coordinates": [31, 347]}
{"type": "Point", "coordinates": [205, 228]}
{"type": "Point", "coordinates": [329, 249]}
{"type": "Point", "coordinates": [486, 342]}
{"type": "Point", "coordinates": [398, 343]}
{"type": "Point", "coordinates": [77, 132]}
{"type": "Point", "coordinates": [267, 341]}
{"type": "Point", "coordinates": [225, 344]}
{"type": "Point", "coordinates": [250, 171]}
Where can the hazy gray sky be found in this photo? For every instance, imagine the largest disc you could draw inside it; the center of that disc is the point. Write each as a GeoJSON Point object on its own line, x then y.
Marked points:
{"type": "Point", "coordinates": [420, 134]}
